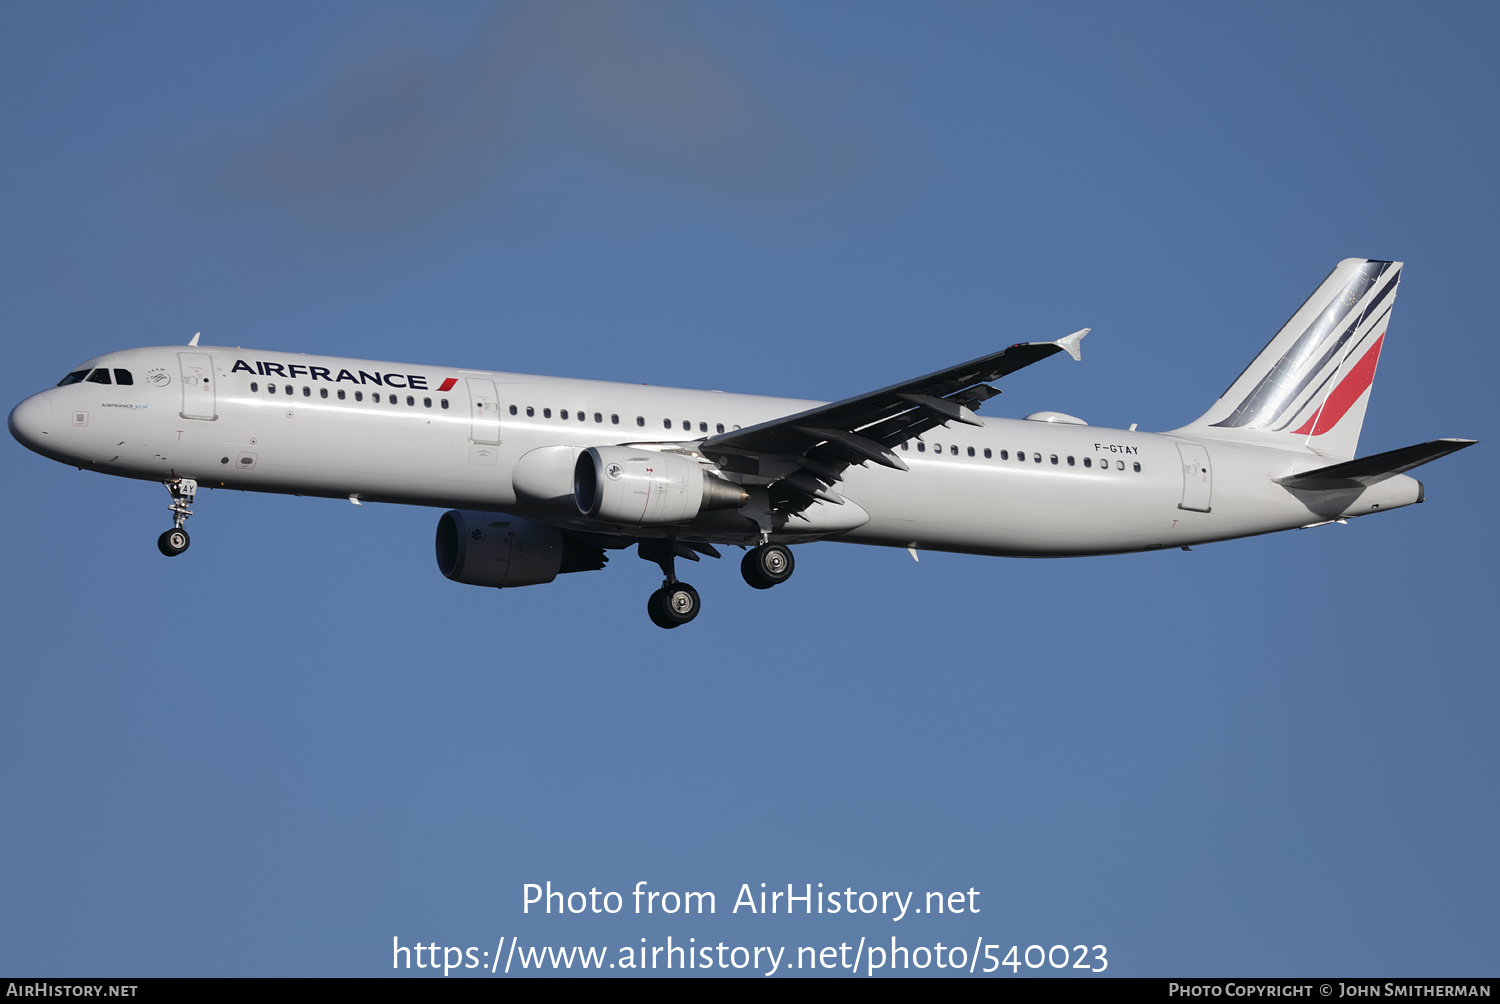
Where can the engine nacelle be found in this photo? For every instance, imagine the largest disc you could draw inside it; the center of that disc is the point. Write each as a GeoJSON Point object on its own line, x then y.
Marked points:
{"type": "Point", "coordinates": [492, 549]}
{"type": "Point", "coordinates": [618, 484]}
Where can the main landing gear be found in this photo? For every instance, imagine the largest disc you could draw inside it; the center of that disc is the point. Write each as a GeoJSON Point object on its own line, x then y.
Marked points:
{"type": "Point", "coordinates": [675, 603]}
{"type": "Point", "coordinates": [176, 540]}
{"type": "Point", "coordinates": [767, 565]}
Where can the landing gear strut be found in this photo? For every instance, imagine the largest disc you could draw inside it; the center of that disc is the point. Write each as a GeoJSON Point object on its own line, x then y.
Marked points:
{"type": "Point", "coordinates": [767, 565]}
{"type": "Point", "coordinates": [176, 540]}
{"type": "Point", "coordinates": [675, 603]}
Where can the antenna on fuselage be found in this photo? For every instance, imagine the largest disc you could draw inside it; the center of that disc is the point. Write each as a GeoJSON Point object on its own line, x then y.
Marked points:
{"type": "Point", "coordinates": [195, 338]}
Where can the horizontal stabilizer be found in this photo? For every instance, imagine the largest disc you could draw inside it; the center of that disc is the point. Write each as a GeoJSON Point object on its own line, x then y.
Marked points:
{"type": "Point", "coordinates": [1373, 469]}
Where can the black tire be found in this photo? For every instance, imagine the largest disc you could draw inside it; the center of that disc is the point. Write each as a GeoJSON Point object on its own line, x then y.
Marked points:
{"type": "Point", "coordinates": [655, 606]}
{"type": "Point", "coordinates": [767, 565]}
{"type": "Point", "coordinates": [173, 542]}
{"type": "Point", "coordinates": [673, 605]}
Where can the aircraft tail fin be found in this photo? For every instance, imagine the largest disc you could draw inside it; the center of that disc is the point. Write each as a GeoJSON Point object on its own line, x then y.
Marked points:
{"type": "Point", "coordinates": [1311, 383]}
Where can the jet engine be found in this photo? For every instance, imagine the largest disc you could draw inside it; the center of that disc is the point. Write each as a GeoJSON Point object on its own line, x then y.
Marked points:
{"type": "Point", "coordinates": [618, 484]}
{"type": "Point", "coordinates": [492, 549]}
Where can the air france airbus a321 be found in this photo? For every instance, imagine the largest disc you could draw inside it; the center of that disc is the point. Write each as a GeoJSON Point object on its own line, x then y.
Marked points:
{"type": "Point", "coordinates": [545, 475]}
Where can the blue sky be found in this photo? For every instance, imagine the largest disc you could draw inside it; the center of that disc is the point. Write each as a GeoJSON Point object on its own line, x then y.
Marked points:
{"type": "Point", "coordinates": [270, 756]}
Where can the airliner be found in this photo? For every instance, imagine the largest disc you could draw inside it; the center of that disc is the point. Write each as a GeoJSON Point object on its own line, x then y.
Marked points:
{"type": "Point", "coordinates": [543, 476]}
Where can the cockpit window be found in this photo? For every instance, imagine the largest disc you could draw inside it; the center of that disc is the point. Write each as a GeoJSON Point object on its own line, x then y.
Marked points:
{"type": "Point", "coordinates": [100, 375]}
{"type": "Point", "coordinates": [74, 377]}
{"type": "Point", "coordinates": [124, 379]}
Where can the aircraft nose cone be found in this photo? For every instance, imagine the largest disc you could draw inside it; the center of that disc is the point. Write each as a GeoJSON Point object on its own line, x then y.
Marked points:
{"type": "Point", "coordinates": [31, 421]}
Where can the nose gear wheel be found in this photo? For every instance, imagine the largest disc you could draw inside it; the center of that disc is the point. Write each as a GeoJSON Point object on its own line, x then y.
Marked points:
{"type": "Point", "coordinates": [173, 542]}
{"type": "Point", "coordinates": [176, 540]}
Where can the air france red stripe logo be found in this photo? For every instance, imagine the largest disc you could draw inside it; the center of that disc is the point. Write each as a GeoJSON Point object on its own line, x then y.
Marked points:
{"type": "Point", "coordinates": [1345, 394]}
{"type": "Point", "coordinates": [447, 385]}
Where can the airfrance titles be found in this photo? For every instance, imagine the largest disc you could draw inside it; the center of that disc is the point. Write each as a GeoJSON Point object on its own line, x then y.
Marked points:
{"type": "Point", "coordinates": [292, 371]}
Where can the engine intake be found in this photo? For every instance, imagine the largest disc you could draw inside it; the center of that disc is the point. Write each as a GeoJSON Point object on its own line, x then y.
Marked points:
{"type": "Point", "coordinates": [617, 484]}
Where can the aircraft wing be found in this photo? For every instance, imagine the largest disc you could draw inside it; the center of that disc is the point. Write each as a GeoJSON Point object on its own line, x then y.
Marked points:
{"type": "Point", "coordinates": [814, 447]}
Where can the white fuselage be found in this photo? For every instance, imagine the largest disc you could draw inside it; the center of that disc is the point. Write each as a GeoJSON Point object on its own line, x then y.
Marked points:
{"type": "Point", "coordinates": [447, 437]}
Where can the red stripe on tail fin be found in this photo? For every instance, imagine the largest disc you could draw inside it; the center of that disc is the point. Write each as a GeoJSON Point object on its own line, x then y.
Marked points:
{"type": "Point", "coordinates": [1345, 394]}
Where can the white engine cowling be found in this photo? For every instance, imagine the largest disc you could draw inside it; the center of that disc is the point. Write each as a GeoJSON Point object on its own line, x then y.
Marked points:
{"type": "Point", "coordinates": [618, 484]}
{"type": "Point", "coordinates": [491, 549]}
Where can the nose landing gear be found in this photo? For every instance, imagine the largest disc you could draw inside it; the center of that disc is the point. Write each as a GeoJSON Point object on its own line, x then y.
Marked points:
{"type": "Point", "coordinates": [173, 542]}
{"type": "Point", "coordinates": [176, 540]}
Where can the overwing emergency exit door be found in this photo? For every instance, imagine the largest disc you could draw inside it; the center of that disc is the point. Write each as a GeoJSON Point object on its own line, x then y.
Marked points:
{"type": "Point", "coordinates": [484, 416]}
{"type": "Point", "coordinates": [484, 422]}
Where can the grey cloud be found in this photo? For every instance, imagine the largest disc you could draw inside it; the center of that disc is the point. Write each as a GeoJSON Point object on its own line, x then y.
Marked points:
{"type": "Point", "coordinates": [409, 138]}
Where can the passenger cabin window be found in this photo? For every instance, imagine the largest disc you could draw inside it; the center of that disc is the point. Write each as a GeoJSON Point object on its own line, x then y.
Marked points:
{"type": "Point", "coordinates": [270, 388]}
{"type": "Point", "coordinates": [719, 427]}
{"type": "Point", "coordinates": [444, 402]}
{"type": "Point", "coordinates": [987, 454]}
{"type": "Point", "coordinates": [563, 414]}
{"type": "Point", "coordinates": [530, 411]}
{"type": "Point", "coordinates": [1138, 467]}
{"type": "Point", "coordinates": [254, 387]}
{"type": "Point", "coordinates": [359, 395]}
{"type": "Point", "coordinates": [614, 420]}
{"type": "Point", "coordinates": [582, 417]}
{"type": "Point", "coordinates": [640, 421]}
{"type": "Point", "coordinates": [971, 451]}
{"type": "Point", "coordinates": [124, 379]}
{"type": "Point", "coordinates": [1088, 462]}
{"type": "Point", "coordinates": [100, 375]}
{"type": "Point", "coordinates": [512, 409]}
{"type": "Point", "coordinates": [666, 423]}
{"type": "Point", "coordinates": [307, 392]}
{"type": "Point", "coordinates": [546, 412]}
{"type": "Point", "coordinates": [599, 418]}
{"type": "Point", "coordinates": [322, 391]}
{"type": "Point", "coordinates": [341, 393]}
